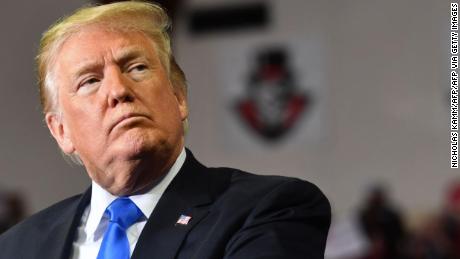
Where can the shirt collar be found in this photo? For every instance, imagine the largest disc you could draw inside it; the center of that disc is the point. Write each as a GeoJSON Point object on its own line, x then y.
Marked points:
{"type": "Point", "coordinates": [146, 202]}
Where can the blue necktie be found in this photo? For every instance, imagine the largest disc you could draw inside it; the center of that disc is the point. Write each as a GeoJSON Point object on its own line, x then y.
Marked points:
{"type": "Point", "coordinates": [122, 213]}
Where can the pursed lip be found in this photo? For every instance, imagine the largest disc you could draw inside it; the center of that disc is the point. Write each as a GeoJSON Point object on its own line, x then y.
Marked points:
{"type": "Point", "coordinates": [124, 117]}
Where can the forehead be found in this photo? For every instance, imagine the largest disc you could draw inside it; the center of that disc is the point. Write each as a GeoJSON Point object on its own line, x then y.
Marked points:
{"type": "Point", "coordinates": [99, 43]}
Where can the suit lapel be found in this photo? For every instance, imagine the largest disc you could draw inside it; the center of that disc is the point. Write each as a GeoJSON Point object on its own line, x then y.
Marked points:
{"type": "Point", "coordinates": [60, 238]}
{"type": "Point", "coordinates": [189, 194]}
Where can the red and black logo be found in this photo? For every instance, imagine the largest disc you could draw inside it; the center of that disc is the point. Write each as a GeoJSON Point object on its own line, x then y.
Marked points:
{"type": "Point", "coordinates": [273, 103]}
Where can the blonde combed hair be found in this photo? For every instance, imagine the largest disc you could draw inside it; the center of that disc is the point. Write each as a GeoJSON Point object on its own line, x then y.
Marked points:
{"type": "Point", "coordinates": [131, 16]}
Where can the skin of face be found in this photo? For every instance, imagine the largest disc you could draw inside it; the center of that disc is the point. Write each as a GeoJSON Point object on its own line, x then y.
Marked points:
{"type": "Point", "coordinates": [117, 109]}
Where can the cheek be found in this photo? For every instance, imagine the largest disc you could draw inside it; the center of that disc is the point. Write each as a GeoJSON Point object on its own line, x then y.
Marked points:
{"type": "Point", "coordinates": [85, 125]}
{"type": "Point", "coordinates": [168, 109]}
{"type": "Point", "coordinates": [161, 101]}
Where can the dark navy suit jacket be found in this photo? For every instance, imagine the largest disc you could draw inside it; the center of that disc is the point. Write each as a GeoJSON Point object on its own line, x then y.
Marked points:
{"type": "Point", "coordinates": [234, 215]}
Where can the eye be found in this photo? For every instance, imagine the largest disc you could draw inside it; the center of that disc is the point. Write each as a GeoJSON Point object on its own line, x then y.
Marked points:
{"type": "Point", "coordinates": [89, 82]}
{"type": "Point", "coordinates": [138, 72]}
{"type": "Point", "coordinates": [92, 80]}
{"type": "Point", "coordinates": [138, 68]}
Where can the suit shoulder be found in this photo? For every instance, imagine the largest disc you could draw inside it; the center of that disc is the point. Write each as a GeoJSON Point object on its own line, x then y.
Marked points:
{"type": "Point", "coordinates": [248, 186]}
{"type": "Point", "coordinates": [39, 221]}
{"type": "Point", "coordinates": [241, 178]}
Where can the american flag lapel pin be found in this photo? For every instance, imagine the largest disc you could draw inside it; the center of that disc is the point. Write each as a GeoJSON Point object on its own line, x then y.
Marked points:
{"type": "Point", "coordinates": [183, 220]}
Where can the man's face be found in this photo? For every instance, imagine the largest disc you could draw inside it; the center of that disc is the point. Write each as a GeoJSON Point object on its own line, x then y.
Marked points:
{"type": "Point", "coordinates": [120, 113]}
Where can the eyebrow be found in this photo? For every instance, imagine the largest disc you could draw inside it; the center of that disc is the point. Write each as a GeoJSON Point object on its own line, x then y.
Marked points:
{"type": "Point", "coordinates": [130, 53]}
{"type": "Point", "coordinates": [86, 66]}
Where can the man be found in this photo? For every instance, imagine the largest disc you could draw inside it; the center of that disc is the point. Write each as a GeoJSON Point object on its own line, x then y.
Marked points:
{"type": "Point", "coordinates": [115, 100]}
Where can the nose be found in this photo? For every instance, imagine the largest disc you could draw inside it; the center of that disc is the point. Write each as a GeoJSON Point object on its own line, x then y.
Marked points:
{"type": "Point", "coordinates": [118, 88]}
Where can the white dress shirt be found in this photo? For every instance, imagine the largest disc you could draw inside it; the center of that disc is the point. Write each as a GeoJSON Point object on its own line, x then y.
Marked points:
{"type": "Point", "coordinates": [94, 222]}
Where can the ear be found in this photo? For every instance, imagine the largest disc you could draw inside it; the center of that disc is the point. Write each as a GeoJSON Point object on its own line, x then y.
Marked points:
{"type": "Point", "coordinates": [59, 131]}
{"type": "Point", "coordinates": [182, 102]}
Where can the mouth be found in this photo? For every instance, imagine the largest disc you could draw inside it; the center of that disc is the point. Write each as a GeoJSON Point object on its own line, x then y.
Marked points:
{"type": "Point", "coordinates": [127, 117]}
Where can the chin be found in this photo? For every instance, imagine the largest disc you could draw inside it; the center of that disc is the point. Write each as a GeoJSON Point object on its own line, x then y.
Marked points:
{"type": "Point", "coordinates": [136, 144]}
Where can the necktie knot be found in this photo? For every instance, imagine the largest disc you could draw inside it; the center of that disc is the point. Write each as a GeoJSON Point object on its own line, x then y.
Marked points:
{"type": "Point", "coordinates": [123, 212]}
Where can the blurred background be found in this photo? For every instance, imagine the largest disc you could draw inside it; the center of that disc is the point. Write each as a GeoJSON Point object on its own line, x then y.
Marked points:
{"type": "Point", "coordinates": [350, 95]}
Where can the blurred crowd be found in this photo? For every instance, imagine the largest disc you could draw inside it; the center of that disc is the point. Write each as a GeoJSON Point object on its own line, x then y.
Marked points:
{"type": "Point", "coordinates": [12, 209]}
{"type": "Point", "coordinates": [379, 231]}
